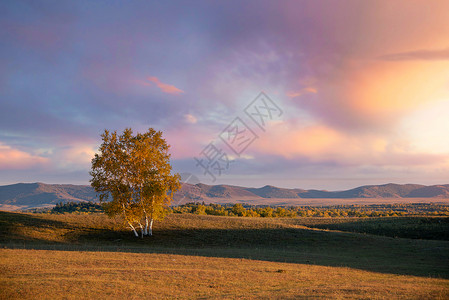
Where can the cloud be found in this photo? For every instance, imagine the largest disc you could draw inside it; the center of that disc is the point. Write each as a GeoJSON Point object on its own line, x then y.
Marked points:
{"type": "Point", "coordinates": [74, 157]}
{"type": "Point", "coordinates": [301, 92]}
{"type": "Point", "coordinates": [14, 159]}
{"type": "Point", "coordinates": [328, 59]}
{"type": "Point", "coordinates": [166, 88]}
{"type": "Point", "coordinates": [374, 96]}
{"type": "Point", "coordinates": [442, 54]}
{"type": "Point", "coordinates": [318, 144]}
{"type": "Point", "coordinates": [184, 143]}
{"type": "Point", "coordinates": [190, 118]}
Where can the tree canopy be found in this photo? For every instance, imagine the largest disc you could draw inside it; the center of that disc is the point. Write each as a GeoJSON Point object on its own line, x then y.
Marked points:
{"type": "Point", "coordinates": [132, 175]}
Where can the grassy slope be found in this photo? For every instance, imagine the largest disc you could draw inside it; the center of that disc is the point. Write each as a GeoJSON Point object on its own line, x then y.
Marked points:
{"type": "Point", "coordinates": [59, 274]}
{"type": "Point", "coordinates": [205, 255]}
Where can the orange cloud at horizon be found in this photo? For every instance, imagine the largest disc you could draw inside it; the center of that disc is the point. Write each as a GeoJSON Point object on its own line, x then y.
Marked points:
{"type": "Point", "coordinates": [319, 143]}
{"type": "Point", "coordinates": [373, 95]}
{"type": "Point", "coordinates": [392, 88]}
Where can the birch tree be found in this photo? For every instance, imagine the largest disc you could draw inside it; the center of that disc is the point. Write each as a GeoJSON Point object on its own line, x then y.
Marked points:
{"type": "Point", "coordinates": [132, 175]}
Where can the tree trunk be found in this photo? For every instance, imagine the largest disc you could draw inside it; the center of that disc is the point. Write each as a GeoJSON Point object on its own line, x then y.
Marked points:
{"type": "Point", "coordinates": [150, 228]}
{"type": "Point", "coordinates": [145, 232]}
{"type": "Point", "coordinates": [130, 225]}
{"type": "Point", "coordinates": [141, 229]}
{"type": "Point", "coordinates": [146, 225]}
{"type": "Point", "coordinates": [134, 229]}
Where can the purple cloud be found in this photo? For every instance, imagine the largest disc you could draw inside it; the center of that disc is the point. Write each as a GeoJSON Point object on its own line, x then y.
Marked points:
{"type": "Point", "coordinates": [70, 70]}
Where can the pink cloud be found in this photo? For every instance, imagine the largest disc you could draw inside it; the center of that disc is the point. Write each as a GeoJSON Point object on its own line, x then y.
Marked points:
{"type": "Point", "coordinates": [185, 143]}
{"type": "Point", "coordinates": [320, 143]}
{"type": "Point", "coordinates": [76, 156]}
{"type": "Point", "coordinates": [190, 118]}
{"type": "Point", "coordinates": [307, 90]}
{"type": "Point", "coordinates": [166, 88]}
{"type": "Point", "coordinates": [14, 159]}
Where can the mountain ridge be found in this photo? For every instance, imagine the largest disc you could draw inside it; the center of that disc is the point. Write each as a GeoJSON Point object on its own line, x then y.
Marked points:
{"type": "Point", "coordinates": [36, 195]}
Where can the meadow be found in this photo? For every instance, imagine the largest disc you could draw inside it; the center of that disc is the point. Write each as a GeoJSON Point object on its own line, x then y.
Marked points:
{"type": "Point", "coordinates": [202, 256]}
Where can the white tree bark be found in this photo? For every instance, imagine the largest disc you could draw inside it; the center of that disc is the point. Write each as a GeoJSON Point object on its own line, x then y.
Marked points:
{"type": "Point", "coordinates": [141, 229]}
{"type": "Point", "coordinates": [134, 229]}
{"type": "Point", "coordinates": [146, 225]}
{"type": "Point", "coordinates": [145, 232]}
{"type": "Point", "coordinates": [150, 228]}
{"type": "Point", "coordinates": [129, 223]}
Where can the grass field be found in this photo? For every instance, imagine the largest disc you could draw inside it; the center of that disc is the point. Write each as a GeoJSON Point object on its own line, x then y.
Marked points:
{"type": "Point", "coordinates": [87, 256]}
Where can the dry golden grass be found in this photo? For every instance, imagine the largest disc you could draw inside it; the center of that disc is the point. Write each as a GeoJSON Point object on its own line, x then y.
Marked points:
{"type": "Point", "coordinates": [46, 274]}
{"type": "Point", "coordinates": [90, 256]}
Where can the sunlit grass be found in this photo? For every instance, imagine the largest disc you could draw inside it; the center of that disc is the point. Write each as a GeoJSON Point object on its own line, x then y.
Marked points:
{"type": "Point", "coordinates": [33, 274]}
{"type": "Point", "coordinates": [191, 256]}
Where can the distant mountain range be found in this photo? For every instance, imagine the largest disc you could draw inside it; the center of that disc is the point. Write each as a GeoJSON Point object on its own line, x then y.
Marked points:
{"type": "Point", "coordinates": [37, 195]}
{"type": "Point", "coordinates": [201, 191]}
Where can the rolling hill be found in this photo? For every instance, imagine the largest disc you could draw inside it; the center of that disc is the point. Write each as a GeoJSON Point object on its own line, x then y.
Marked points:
{"type": "Point", "coordinates": [37, 195]}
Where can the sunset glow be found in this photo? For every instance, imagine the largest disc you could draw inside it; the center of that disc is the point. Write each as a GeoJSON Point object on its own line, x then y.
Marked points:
{"type": "Point", "coordinates": [363, 87]}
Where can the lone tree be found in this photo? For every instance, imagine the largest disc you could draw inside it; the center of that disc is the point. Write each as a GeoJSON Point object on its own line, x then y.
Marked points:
{"type": "Point", "coordinates": [132, 175]}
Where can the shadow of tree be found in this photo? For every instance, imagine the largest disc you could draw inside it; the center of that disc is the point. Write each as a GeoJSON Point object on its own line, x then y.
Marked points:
{"type": "Point", "coordinates": [292, 245]}
{"type": "Point", "coordinates": [12, 223]}
{"type": "Point", "coordinates": [431, 228]}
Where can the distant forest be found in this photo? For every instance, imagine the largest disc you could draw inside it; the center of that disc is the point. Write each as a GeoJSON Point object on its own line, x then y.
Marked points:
{"type": "Point", "coordinates": [242, 210]}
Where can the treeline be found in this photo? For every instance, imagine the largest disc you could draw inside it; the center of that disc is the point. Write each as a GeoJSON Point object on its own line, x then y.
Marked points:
{"type": "Point", "coordinates": [376, 210]}
{"type": "Point", "coordinates": [233, 210]}
{"type": "Point", "coordinates": [73, 207]}
{"type": "Point", "coordinates": [243, 210]}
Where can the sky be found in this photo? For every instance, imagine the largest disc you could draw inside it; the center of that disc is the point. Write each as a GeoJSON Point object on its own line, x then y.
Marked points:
{"type": "Point", "coordinates": [354, 92]}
